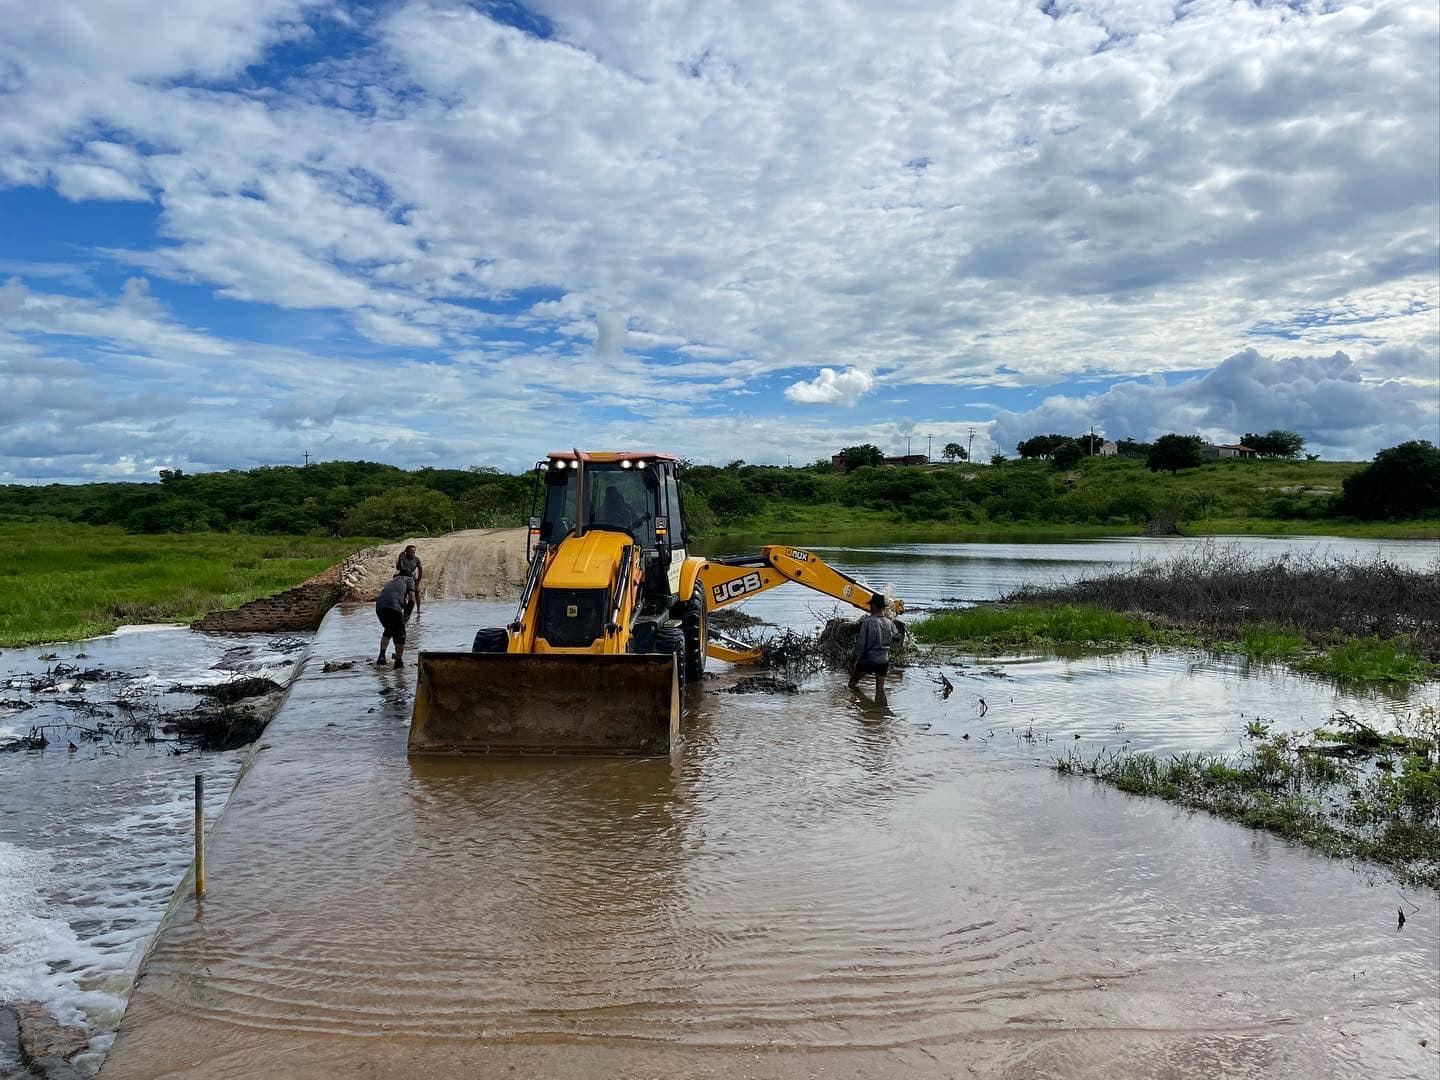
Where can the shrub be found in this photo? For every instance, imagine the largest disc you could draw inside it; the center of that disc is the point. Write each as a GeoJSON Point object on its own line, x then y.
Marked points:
{"type": "Point", "coordinates": [1403, 481]}
{"type": "Point", "coordinates": [402, 512]}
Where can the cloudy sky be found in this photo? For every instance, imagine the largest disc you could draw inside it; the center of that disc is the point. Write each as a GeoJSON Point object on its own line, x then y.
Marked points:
{"type": "Point", "coordinates": [434, 232]}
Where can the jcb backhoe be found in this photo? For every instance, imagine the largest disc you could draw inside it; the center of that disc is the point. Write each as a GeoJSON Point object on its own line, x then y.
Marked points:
{"type": "Point", "coordinates": [612, 629]}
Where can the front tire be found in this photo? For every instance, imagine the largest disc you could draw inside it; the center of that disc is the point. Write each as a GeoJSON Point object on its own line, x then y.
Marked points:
{"type": "Point", "coordinates": [491, 639]}
{"type": "Point", "coordinates": [671, 639]}
{"type": "Point", "coordinates": [697, 634]}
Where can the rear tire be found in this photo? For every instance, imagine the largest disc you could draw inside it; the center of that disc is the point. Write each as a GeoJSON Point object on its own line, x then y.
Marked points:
{"type": "Point", "coordinates": [697, 635]}
{"type": "Point", "coordinates": [491, 639]}
{"type": "Point", "coordinates": [671, 639]}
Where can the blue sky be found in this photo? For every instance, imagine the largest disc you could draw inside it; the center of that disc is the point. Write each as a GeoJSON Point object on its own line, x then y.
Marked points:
{"type": "Point", "coordinates": [459, 233]}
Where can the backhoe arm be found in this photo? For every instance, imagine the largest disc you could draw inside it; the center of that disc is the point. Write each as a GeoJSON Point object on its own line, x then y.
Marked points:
{"type": "Point", "coordinates": [740, 577]}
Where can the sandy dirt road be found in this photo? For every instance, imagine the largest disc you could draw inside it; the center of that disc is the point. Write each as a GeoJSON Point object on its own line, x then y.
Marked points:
{"type": "Point", "coordinates": [469, 565]}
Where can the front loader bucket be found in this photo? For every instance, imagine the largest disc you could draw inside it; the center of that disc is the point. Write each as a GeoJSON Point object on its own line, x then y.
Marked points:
{"type": "Point", "coordinates": [545, 703]}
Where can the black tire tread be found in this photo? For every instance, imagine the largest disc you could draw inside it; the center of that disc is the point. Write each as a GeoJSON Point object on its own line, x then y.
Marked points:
{"type": "Point", "coordinates": [696, 633]}
{"type": "Point", "coordinates": [491, 639]}
{"type": "Point", "coordinates": [671, 639]}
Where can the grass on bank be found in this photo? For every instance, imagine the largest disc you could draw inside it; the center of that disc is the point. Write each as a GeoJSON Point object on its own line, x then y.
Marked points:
{"type": "Point", "coordinates": [1356, 793]}
{"type": "Point", "coordinates": [850, 524]}
{"type": "Point", "coordinates": [66, 581]}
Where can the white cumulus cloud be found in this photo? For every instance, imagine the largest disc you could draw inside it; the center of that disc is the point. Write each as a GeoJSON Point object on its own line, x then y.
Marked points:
{"type": "Point", "coordinates": [832, 387]}
{"type": "Point", "coordinates": [1328, 399]}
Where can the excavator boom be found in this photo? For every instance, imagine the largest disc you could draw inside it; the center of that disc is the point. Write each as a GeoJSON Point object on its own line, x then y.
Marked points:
{"type": "Point", "coordinates": [734, 578]}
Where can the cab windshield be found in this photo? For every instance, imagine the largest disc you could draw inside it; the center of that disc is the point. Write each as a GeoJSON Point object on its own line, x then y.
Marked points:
{"type": "Point", "coordinates": [619, 498]}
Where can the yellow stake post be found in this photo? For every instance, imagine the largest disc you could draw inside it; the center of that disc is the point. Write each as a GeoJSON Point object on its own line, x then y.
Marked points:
{"type": "Point", "coordinates": [199, 835]}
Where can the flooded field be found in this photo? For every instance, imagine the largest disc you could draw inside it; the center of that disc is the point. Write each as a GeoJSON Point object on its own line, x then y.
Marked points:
{"type": "Point", "coordinates": [811, 886]}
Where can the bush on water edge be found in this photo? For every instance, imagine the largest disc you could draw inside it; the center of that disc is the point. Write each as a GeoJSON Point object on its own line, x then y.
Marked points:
{"type": "Point", "coordinates": [65, 582]}
{"type": "Point", "coordinates": [1260, 605]}
{"type": "Point", "coordinates": [1353, 794]}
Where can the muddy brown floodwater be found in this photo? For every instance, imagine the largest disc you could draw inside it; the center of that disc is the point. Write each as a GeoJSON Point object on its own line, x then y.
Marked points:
{"type": "Point", "coordinates": [810, 887]}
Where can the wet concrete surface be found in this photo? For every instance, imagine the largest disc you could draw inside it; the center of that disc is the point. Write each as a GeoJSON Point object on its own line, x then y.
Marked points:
{"type": "Point", "coordinates": [812, 885]}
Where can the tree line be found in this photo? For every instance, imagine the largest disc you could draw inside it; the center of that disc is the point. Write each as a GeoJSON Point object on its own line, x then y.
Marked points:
{"type": "Point", "coordinates": [337, 498]}
{"type": "Point", "coordinates": [1403, 482]}
{"type": "Point", "coordinates": [361, 498]}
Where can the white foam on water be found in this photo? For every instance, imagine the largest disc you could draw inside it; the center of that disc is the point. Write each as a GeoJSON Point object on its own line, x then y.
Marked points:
{"type": "Point", "coordinates": [42, 958]}
{"type": "Point", "coordinates": [140, 628]}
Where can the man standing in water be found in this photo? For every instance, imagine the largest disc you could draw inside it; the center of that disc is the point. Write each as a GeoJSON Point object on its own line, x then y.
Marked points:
{"type": "Point", "coordinates": [872, 647]}
{"type": "Point", "coordinates": [408, 562]}
{"type": "Point", "coordinates": [390, 610]}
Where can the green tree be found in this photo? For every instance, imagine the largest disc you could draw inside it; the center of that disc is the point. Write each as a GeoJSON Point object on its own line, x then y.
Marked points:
{"type": "Point", "coordinates": [855, 457]}
{"type": "Point", "coordinates": [1130, 448]}
{"type": "Point", "coordinates": [1276, 443]}
{"type": "Point", "coordinates": [1402, 481]}
{"type": "Point", "coordinates": [1066, 455]}
{"type": "Point", "coordinates": [1040, 446]}
{"type": "Point", "coordinates": [954, 452]}
{"type": "Point", "coordinates": [1171, 453]}
{"type": "Point", "coordinates": [402, 512]}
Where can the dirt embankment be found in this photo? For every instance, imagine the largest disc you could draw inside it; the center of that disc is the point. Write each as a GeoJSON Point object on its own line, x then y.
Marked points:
{"type": "Point", "coordinates": [468, 565]}
{"type": "Point", "coordinates": [472, 564]}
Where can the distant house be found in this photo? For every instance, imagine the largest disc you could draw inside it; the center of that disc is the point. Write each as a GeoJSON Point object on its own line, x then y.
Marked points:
{"type": "Point", "coordinates": [1107, 449]}
{"type": "Point", "coordinates": [1221, 451]}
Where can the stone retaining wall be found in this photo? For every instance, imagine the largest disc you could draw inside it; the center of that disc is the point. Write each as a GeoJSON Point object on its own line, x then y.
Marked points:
{"type": "Point", "coordinates": [298, 608]}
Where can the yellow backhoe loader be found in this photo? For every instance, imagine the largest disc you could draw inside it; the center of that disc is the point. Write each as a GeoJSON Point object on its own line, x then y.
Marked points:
{"type": "Point", "coordinates": [612, 629]}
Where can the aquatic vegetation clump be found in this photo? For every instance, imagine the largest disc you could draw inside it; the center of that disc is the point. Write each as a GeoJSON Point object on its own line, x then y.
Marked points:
{"type": "Point", "coordinates": [1349, 792]}
{"type": "Point", "coordinates": [1371, 660]}
{"type": "Point", "coordinates": [1023, 625]}
{"type": "Point", "coordinates": [1264, 642]}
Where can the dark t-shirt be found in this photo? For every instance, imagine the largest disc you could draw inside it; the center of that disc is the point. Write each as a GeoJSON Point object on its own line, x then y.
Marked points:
{"type": "Point", "coordinates": [872, 644]}
{"type": "Point", "coordinates": [408, 564]}
{"type": "Point", "coordinates": [392, 596]}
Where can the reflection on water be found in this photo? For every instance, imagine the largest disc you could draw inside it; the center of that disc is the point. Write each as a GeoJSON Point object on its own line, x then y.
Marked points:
{"type": "Point", "coordinates": [811, 885]}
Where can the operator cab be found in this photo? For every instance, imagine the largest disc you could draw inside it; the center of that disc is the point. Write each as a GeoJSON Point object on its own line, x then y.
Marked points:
{"type": "Point", "coordinates": [633, 493]}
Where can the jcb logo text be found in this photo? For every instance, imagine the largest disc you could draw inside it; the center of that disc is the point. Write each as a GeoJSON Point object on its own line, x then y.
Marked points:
{"type": "Point", "coordinates": [739, 587]}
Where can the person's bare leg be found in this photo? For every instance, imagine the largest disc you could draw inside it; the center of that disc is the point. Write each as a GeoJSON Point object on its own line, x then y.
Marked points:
{"type": "Point", "coordinates": [384, 644]}
{"type": "Point", "coordinates": [399, 655]}
{"type": "Point", "coordinates": [879, 689]}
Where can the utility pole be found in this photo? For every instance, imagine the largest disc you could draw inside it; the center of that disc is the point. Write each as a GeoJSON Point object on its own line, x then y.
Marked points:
{"type": "Point", "coordinates": [929, 447]}
{"type": "Point", "coordinates": [970, 447]}
{"type": "Point", "coordinates": [1092, 440]}
{"type": "Point", "coordinates": [907, 445]}
{"type": "Point", "coordinates": [307, 459]}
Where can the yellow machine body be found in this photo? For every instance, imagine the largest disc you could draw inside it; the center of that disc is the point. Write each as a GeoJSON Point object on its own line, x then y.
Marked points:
{"type": "Point", "coordinates": [596, 659]}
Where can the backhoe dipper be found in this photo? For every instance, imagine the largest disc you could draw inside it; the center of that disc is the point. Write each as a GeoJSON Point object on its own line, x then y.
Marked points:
{"type": "Point", "coordinates": [612, 629]}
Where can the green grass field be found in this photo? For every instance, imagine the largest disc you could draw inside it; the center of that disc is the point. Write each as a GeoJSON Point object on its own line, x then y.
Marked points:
{"type": "Point", "coordinates": [66, 581]}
